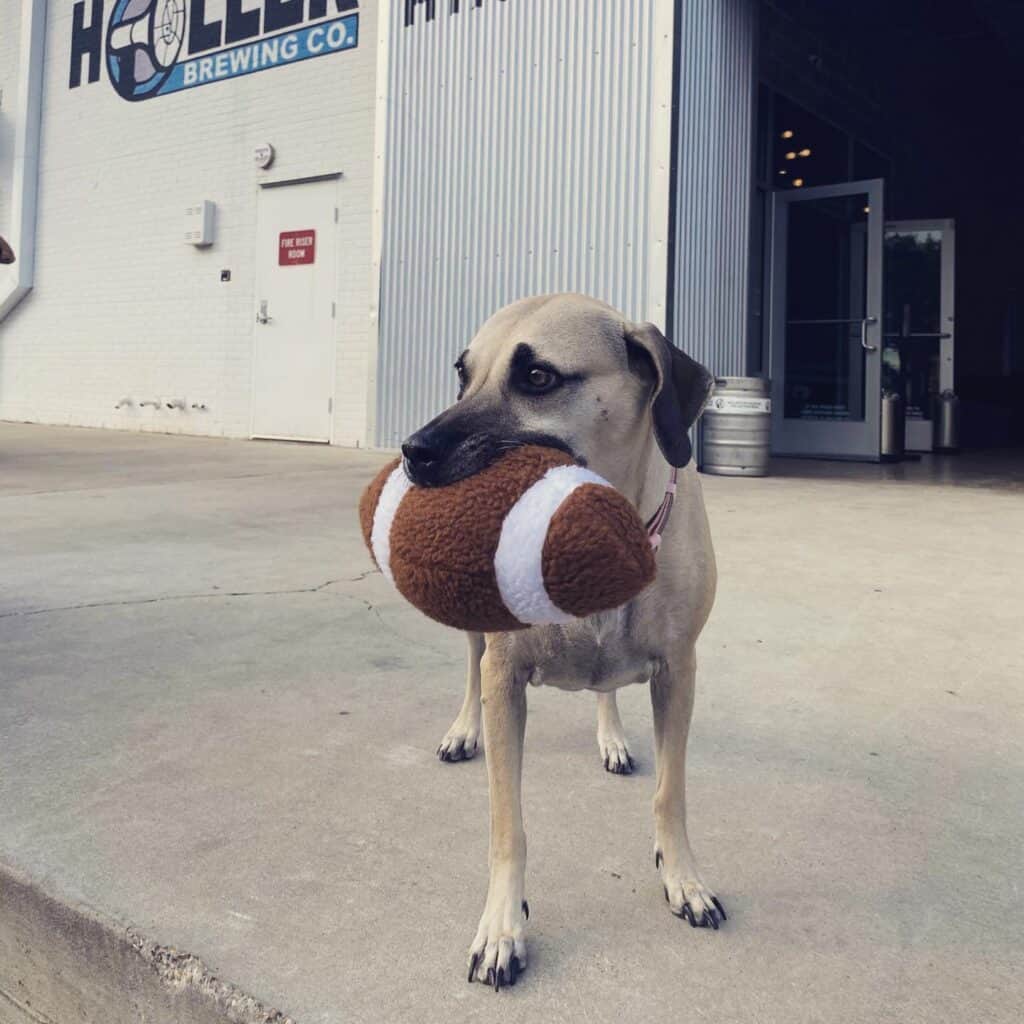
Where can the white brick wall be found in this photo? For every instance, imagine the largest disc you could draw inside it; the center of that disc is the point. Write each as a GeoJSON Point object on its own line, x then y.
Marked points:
{"type": "Point", "coordinates": [121, 305]}
{"type": "Point", "coordinates": [10, 26]}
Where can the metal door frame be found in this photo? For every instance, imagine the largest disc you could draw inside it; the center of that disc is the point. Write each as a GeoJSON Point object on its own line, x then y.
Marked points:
{"type": "Point", "coordinates": [919, 432]}
{"type": "Point", "coordinates": [847, 439]}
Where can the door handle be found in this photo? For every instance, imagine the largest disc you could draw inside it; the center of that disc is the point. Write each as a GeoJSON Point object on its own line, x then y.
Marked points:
{"type": "Point", "coordinates": [864, 333]}
{"type": "Point", "coordinates": [261, 316]}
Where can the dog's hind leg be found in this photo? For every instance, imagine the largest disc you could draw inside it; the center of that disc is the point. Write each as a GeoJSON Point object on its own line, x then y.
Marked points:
{"type": "Point", "coordinates": [460, 741]}
{"type": "Point", "coordinates": [611, 739]}
{"type": "Point", "coordinates": [672, 699]}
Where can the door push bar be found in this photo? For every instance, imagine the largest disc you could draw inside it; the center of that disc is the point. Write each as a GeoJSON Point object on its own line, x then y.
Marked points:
{"type": "Point", "coordinates": [864, 322]}
{"type": "Point", "coordinates": [864, 333]}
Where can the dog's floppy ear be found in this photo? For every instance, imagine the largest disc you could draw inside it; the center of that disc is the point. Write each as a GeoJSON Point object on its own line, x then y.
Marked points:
{"type": "Point", "coordinates": [681, 388]}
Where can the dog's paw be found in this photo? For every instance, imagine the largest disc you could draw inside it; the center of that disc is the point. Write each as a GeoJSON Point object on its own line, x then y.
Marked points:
{"type": "Point", "coordinates": [689, 898]}
{"type": "Point", "coordinates": [615, 755]}
{"type": "Point", "coordinates": [460, 741]}
{"type": "Point", "coordinates": [695, 903]}
{"type": "Point", "coordinates": [498, 954]}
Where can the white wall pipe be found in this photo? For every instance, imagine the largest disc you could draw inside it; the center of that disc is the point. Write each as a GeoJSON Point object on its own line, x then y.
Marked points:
{"type": "Point", "coordinates": [17, 281]}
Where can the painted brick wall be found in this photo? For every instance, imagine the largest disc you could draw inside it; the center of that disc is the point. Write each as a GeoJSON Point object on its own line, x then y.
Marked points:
{"type": "Point", "coordinates": [121, 306]}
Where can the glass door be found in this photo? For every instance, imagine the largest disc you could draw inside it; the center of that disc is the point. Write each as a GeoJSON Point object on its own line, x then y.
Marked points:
{"type": "Point", "coordinates": [917, 353]}
{"type": "Point", "coordinates": [826, 305]}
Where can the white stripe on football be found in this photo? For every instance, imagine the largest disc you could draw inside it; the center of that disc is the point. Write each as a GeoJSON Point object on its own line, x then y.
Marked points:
{"type": "Point", "coordinates": [517, 563]}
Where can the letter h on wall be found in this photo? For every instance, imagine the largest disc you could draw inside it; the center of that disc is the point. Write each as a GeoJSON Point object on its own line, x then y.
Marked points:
{"type": "Point", "coordinates": [86, 41]}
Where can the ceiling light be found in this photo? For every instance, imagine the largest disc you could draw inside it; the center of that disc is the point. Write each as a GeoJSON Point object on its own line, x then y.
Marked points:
{"type": "Point", "coordinates": [805, 152]}
{"type": "Point", "coordinates": [797, 182]}
{"type": "Point", "coordinates": [787, 134]}
{"type": "Point", "coordinates": [791, 155]}
{"type": "Point", "coordinates": [867, 209]}
{"type": "Point", "coordinates": [783, 172]}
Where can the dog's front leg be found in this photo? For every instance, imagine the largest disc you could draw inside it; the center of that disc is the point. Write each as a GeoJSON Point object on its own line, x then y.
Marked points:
{"type": "Point", "coordinates": [498, 952]}
{"type": "Point", "coordinates": [672, 699]}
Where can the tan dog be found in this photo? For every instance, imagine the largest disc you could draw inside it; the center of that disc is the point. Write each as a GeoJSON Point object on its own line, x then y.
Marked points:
{"type": "Point", "coordinates": [569, 371]}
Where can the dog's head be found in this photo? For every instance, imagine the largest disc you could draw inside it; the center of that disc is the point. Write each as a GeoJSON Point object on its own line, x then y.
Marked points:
{"type": "Point", "coordinates": [569, 372]}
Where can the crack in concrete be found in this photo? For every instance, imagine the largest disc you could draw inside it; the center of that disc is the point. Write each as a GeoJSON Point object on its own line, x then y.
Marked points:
{"type": "Point", "coordinates": [27, 1011]}
{"type": "Point", "coordinates": [363, 575]}
{"type": "Point", "coordinates": [411, 641]}
{"type": "Point", "coordinates": [368, 605]}
{"type": "Point", "coordinates": [186, 597]}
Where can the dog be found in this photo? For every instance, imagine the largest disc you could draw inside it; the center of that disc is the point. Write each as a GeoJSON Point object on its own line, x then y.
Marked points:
{"type": "Point", "coordinates": [569, 371]}
{"type": "Point", "coordinates": [6, 252]}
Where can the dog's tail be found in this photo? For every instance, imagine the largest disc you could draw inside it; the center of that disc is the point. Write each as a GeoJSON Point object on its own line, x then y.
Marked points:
{"type": "Point", "coordinates": [6, 252]}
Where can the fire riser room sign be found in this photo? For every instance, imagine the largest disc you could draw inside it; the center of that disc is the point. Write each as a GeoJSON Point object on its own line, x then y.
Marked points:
{"type": "Point", "coordinates": [155, 47]}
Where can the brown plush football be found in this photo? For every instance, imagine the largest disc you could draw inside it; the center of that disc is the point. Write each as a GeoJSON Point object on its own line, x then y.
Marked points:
{"type": "Point", "coordinates": [532, 539]}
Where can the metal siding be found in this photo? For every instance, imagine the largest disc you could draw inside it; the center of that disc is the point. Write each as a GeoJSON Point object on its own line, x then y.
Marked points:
{"type": "Point", "coordinates": [716, 42]}
{"type": "Point", "coordinates": [517, 162]}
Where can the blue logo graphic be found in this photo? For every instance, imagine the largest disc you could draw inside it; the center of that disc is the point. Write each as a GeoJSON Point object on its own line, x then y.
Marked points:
{"type": "Point", "coordinates": [145, 39]}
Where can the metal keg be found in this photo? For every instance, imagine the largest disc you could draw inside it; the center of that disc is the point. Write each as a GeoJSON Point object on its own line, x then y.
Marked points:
{"type": "Point", "coordinates": [736, 427]}
{"type": "Point", "coordinates": [946, 423]}
{"type": "Point", "coordinates": [894, 427]}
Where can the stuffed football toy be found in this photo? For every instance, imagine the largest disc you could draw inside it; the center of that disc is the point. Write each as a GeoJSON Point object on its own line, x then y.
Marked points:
{"type": "Point", "coordinates": [532, 539]}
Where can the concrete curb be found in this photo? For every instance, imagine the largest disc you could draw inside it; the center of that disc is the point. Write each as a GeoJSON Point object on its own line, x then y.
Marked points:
{"type": "Point", "coordinates": [61, 961]}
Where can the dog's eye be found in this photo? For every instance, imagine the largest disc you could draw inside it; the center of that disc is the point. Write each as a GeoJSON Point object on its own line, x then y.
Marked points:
{"type": "Point", "coordinates": [538, 378]}
{"type": "Point", "coordinates": [460, 369]}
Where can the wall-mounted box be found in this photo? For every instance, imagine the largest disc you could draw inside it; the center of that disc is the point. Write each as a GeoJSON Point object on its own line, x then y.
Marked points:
{"type": "Point", "coordinates": [199, 223]}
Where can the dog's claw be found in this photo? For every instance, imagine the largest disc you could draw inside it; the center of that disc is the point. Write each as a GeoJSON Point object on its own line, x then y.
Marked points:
{"type": "Point", "coordinates": [616, 759]}
{"type": "Point", "coordinates": [658, 859]}
{"type": "Point", "coordinates": [498, 954]}
{"type": "Point", "coordinates": [449, 752]}
{"type": "Point", "coordinates": [709, 917]}
{"type": "Point", "coordinates": [719, 907]}
{"type": "Point", "coordinates": [687, 913]}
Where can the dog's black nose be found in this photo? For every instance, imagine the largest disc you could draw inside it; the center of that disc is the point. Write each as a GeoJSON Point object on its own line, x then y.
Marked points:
{"type": "Point", "coordinates": [419, 453]}
{"type": "Point", "coordinates": [433, 455]}
{"type": "Point", "coordinates": [425, 454]}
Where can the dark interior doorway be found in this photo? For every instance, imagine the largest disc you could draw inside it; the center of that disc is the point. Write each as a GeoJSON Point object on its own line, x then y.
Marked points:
{"type": "Point", "coordinates": [927, 94]}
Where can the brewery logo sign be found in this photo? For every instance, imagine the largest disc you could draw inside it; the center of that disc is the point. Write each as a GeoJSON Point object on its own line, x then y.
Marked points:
{"type": "Point", "coordinates": [155, 47]}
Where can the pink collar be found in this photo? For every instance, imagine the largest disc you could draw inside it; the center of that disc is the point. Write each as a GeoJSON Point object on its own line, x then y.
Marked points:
{"type": "Point", "coordinates": [657, 523]}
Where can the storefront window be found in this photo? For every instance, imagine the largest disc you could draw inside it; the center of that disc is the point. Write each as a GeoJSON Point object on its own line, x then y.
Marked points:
{"type": "Point", "coordinates": [795, 149]}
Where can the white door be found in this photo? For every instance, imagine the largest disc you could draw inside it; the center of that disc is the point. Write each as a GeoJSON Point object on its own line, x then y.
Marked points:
{"type": "Point", "coordinates": [293, 375]}
{"type": "Point", "coordinates": [825, 323]}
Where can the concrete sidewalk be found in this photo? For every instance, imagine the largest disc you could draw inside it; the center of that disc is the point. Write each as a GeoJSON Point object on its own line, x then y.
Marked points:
{"type": "Point", "coordinates": [218, 788]}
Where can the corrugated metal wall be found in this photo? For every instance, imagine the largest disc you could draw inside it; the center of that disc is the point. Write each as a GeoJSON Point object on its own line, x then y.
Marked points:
{"type": "Point", "coordinates": [716, 40]}
{"type": "Point", "coordinates": [518, 141]}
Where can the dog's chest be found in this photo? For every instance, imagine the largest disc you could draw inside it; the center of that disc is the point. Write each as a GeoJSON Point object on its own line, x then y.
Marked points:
{"type": "Point", "coordinates": [600, 653]}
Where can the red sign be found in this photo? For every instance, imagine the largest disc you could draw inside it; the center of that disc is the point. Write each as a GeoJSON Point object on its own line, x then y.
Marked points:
{"type": "Point", "coordinates": [296, 247]}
